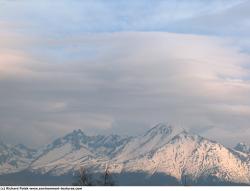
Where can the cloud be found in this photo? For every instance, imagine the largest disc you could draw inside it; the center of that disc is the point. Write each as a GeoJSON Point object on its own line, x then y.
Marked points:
{"type": "Point", "coordinates": [67, 65]}
{"type": "Point", "coordinates": [232, 21]}
{"type": "Point", "coordinates": [123, 83]}
{"type": "Point", "coordinates": [64, 17]}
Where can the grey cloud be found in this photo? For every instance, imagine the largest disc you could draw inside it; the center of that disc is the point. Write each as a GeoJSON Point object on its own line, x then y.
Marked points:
{"type": "Point", "coordinates": [124, 83]}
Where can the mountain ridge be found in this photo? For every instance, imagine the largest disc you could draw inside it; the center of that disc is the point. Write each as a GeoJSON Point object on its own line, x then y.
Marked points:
{"type": "Point", "coordinates": [162, 149]}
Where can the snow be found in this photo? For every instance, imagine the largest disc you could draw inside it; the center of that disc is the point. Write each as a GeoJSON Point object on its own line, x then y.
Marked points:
{"type": "Point", "coordinates": [151, 140]}
{"type": "Point", "coordinates": [15, 158]}
{"type": "Point", "coordinates": [53, 155]}
{"type": "Point", "coordinates": [191, 155]}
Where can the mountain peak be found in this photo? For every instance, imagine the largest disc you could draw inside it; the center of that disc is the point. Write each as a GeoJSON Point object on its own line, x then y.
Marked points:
{"type": "Point", "coordinates": [21, 146]}
{"type": "Point", "coordinates": [75, 137]}
{"type": "Point", "coordinates": [78, 132]}
{"type": "Point", "coordinates": [3, 146]}
{"type": "Point", "coordinates": [161, 128]}
{"type": "Point", "coordinates": [164, 129]}
{"type": "Point", "coordinates": [185, 135]}
{"type": "Point", "coordinates": [75, 134]}
{"type": "Point", "coordinates": [242, 147]}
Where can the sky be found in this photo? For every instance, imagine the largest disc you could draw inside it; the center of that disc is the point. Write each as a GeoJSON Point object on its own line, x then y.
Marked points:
{"type": "Point", "coordinates": [108, 66]}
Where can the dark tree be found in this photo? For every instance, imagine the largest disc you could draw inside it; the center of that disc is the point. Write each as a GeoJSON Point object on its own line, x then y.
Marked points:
{"type": "Point", "coordinates": [84, 178]}
{"type": "Point", "coordinates": [87, 179]}
{"type": "Point", "coordinates": [108, 178]}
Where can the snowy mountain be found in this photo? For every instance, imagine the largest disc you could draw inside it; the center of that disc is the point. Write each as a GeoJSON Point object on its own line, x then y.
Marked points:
{"type": "Point", "coordinates": [192, 156]}
{"type": "Point", "coordinates": [153, 139]}
{"type": "Point", "coordinates": [77, 149]}
{"type": "Point", "coordinates": [162, 150]}
{"type": "Point", "coordinates": [15, 158]}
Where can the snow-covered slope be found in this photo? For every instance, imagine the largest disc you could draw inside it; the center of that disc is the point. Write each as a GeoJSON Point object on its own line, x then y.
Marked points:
{"type": "Point", "coordinates": [77, 149]}
{"type": "Point", "coordinates": [191, 156]}
{"type": "Point", "coordinates": [153, 139]}
{"type": "Point", "coordinates": [15, 158]}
